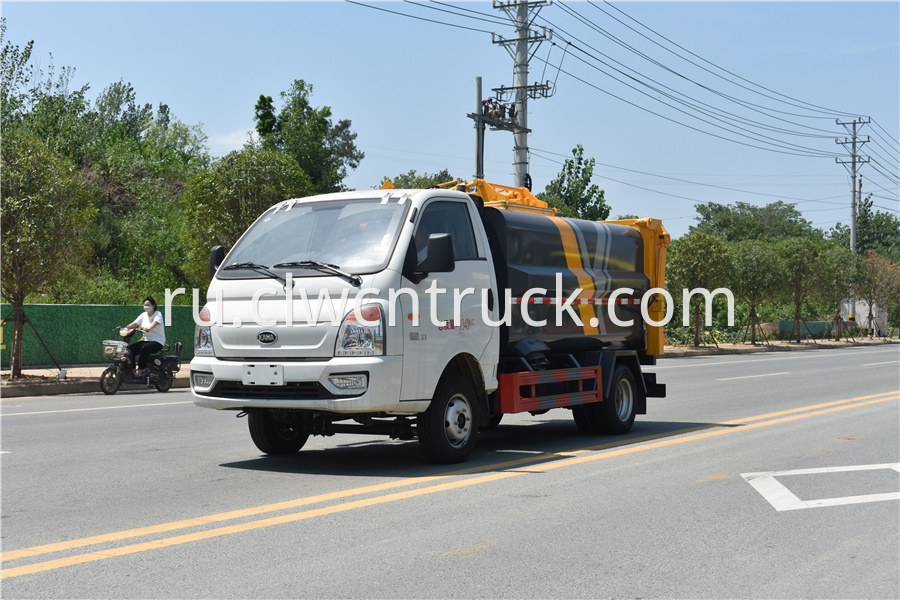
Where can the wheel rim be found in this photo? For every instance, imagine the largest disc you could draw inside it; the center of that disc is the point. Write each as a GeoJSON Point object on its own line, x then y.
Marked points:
{"type": "Point", "coordinates": [110, 379]}
{"type": "Point", "coordinates": [624, 399]}
{"type": "Point", "coordinates": [458, 420]}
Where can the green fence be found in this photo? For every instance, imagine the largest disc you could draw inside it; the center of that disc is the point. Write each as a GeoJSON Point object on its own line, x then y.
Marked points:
{"type": "Point", "coordinates": [815, 329]}
{"type": "Point", "coordinates": [73, 332]}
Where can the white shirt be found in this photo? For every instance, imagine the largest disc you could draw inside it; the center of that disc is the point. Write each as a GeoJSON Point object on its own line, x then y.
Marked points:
{"type": "Point", "coordinates": [158, 333]}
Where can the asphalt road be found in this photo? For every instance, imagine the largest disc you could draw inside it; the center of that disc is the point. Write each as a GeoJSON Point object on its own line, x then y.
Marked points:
{"type": "Point", "coordinates": [760, 476]}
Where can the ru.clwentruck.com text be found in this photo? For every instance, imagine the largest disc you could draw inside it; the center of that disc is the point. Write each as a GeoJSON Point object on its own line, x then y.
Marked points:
{"type": "Point", "coordinates": [298, 303]}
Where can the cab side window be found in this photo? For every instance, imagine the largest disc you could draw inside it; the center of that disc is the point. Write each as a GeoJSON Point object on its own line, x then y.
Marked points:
{"type": "Point", "coordinates": [447, 217]}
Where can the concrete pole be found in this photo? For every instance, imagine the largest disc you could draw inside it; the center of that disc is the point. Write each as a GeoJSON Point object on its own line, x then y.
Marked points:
{"type": "Point", "coordinates": [479, 132]}
{"type": "Point", "coordinates": [853, 198]}
{"type": "Point", "coordinates": [520, 147]}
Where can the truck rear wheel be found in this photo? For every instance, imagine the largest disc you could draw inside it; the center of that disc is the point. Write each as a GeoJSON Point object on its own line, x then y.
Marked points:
{"type": "Point", "coordinates": [448, 429]}
{"type": "Point", "coordinates": [585, 417]}
{"type": "Point", "coordinates": [616, 413]}
{"type": "Point", "coordinates": [272, 436]}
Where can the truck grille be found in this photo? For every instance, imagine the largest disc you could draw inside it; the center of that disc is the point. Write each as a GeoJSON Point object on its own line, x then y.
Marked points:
{"type": "Point", "coordinates": [298, 390]}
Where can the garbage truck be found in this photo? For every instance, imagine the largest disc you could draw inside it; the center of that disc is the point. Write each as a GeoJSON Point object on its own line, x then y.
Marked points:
{"type": "Point", "coordinates": [430, 314]}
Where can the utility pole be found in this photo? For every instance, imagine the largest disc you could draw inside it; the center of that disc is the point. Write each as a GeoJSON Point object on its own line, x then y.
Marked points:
{"type": "Point", "coordinates": [515, 118]}
{"type": "Point", "coordinates": [855, 144]}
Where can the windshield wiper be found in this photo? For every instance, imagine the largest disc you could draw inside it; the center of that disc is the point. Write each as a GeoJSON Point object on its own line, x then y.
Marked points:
{"type": "Point", "coordinates": [354, 279]}
{"type": "Point", "coordinates": [258, 268]}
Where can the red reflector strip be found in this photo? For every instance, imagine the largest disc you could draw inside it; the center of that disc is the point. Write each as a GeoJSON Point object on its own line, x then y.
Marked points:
{"type": "Point", "coordinates": [578, 301]}
{"type": "Point", "coordinates": [518, 394]}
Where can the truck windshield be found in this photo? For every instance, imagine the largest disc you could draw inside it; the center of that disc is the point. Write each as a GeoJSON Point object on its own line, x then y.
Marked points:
{"type": "Point", "coordinates": [356, 236]}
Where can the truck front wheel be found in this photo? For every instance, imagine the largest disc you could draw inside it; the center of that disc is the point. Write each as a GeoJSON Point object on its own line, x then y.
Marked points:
{"type": "Point", "coordinates": [448, 429]}
{"type": "Point", "coordinates": [272, 436]}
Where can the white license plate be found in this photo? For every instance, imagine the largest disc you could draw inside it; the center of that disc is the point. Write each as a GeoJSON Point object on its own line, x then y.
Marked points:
{"type": "Point", "coordinates": [263, 375]}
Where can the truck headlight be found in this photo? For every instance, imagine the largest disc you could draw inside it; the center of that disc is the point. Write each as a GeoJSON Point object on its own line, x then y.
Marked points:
{"type": "Point", "coordinates": [358, 339]}
{"type": "Point", "coordinates": [203, 345]}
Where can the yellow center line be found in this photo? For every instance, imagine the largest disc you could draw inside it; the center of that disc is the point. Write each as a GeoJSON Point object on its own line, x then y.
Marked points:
{"type": "Point", "coordinates": [563, 459]}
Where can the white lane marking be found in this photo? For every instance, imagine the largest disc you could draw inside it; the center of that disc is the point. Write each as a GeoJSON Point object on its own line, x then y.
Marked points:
{"type": "Point", "coordinates": [752, 376]}
{"type": "Point", "coordinates": [50, 412]}
{"type": "Point", "coordinates": [890, 362]}
{"type": "Point", "coordinates": [801, 354]}
{"type": "Point", "coordinates": [780, 497]}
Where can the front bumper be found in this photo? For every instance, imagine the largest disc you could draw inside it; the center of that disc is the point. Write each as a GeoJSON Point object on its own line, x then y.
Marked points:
{"type": "Point", "coordinates": [306, 385]}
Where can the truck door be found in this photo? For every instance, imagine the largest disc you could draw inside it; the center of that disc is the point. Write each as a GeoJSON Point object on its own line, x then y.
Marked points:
{"type": "Point", "coordinates": [428, 347]}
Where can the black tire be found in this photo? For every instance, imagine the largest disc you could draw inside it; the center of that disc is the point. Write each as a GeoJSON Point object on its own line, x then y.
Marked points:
{"type": "Point", "coordinates": [495, 421]}
{"type": "Point", "coordinates": [165, 384]}
{"type": "Point", "coordinates": [110, 380]}
{"type": "Point", "coordinates": [448, 430]}
{"type": "Point", "coordinates": [585, 417]}
{"type": "Point", "coordinates": [274, 437]}
{"type": "Point", "coordinates": [616, 413]}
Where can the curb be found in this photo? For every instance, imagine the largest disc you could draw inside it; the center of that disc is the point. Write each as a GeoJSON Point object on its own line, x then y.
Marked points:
{"type": "Point", "coordinates": [683, 352]}
{"type": "Point", "coordinates": [80, 385]}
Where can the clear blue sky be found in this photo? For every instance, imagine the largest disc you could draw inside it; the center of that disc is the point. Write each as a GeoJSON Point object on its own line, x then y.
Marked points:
{"type": "Point", "coordinates": [407, 85]}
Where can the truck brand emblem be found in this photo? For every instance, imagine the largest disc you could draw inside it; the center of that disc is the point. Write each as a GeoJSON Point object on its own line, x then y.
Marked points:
{"type": "Point", "coordinates": [267, 337]}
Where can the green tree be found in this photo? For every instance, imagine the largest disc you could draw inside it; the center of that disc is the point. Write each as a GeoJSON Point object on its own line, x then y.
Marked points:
{"type": "Point", "coordinates": [16, 77]}
{"type": "Point", "coordinates": [743, 221]}
{"type": "Point", "coordinates": [697, 260]}
{"type": "Point", "coordinates": [413, 181]}
{"type": "Point", "coordinates": [323, 149]}
{"type": "Point", "coordinates": [134, 165]}
{"type": "Point", "coordinates": [800, 268]}
{"type": "Point", "coordinates": [267, 123]}
{"type": "Point", "coordinates": [876, 283]}
{"type": "Point", "coordinates": [838, 271]}
{"type": "Point", "coordinates": [117, 109]}
{"type": "Point", "coordinates": [572, 194]}
{"type": "Point", "coordinates": [42, 101]}
{"type": "Point", "coordinates": [222, 201]}
{"type": "Point", "coordinates": [875, 230]}
{"type": "Point", "coordinates": [754, 277]}
{"type": "Point", "coordinates": [45, 208]}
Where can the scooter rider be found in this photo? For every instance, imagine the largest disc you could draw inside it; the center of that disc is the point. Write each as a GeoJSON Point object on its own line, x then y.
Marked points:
{"type": "Point", "coordinates": [151, 323]}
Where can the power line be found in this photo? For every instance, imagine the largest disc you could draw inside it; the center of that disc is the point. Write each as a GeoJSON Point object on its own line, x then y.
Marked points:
{"type": "Point", "coordinates": [747, 105]}
{"type": "Point", "coordinates": [886, 133]}
{"type": "Point", "coordinates": [484, 17]}
{"type": "Point", "coordinates": [779, 197]}
{"type": "Point", "coordinates": [749, 134]}
{"type": "Point", "coordinates": [802, 104]}
{"type": "Point", "coordinates": [402, 14]}
{"type": "Point", "coordinates": [815, 153]}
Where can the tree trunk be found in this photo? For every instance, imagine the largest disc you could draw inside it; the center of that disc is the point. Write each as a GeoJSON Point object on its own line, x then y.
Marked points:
{"type": "Point", "coordinates": [697, 325]}
{"type": "Point", "coordinates": [870, 320]}
{"type": "Point", "coordinates": [753, 322]}
{"type": "Point", "coordinates": [797, 323]}
{"type": "Point", "coordinates": [15, 354]}
{"type": "Point", "coordinates": [837, 325]}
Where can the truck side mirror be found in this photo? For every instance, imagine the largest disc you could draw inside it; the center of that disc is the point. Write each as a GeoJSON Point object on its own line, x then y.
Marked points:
{"type": "Point", "coordinates": [439, 255]}
{"type": "Point", "coordinates": [216, 258]}
{"type": "Point", "coordinates": [439, 258]}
